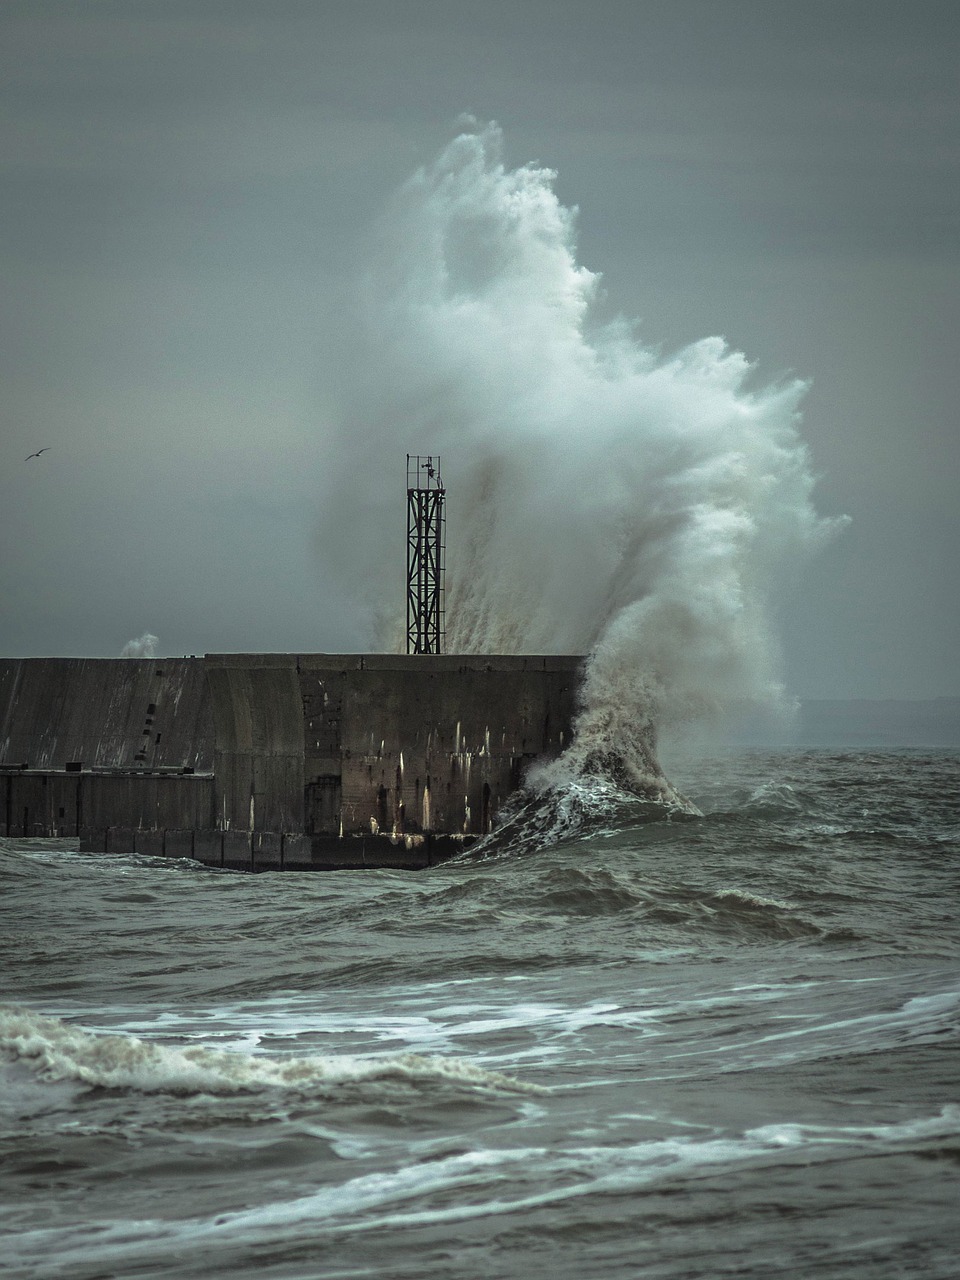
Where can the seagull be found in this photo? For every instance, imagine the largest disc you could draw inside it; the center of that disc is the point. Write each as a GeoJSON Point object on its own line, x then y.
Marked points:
{"type": "Point", "coordinates": [37, 454]}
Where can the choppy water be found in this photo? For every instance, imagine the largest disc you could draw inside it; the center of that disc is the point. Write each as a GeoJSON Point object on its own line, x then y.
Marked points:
{"type": "Point", "coordinates": [726, 1046]}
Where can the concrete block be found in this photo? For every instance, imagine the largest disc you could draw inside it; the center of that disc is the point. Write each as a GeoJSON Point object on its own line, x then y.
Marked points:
{"type": "Point", "coordinates": [443, 848]}
{"type": "Point", "coordinates": [120, 840]}
{"type": "Point", "coordinates": [365, 851]}
{"type": "Point", "coordinates": [150, 842]}
{"type": "Point", "coordinates": [332, 853]}
{"type": "Point", "coordinates": [236, 850]}
{"type": "Point", "coordinates": [93, 839]}
{"type": "Point", "coordinates": [297, 853]}
{"type": "Point", "coordinates": [408, 854]}
{"type": "Point", "coordinates": [267, 850]}
{"type": "Point", "coordinates": [180, 844]}
{"type": "Point", "coordinates": [208, 847]}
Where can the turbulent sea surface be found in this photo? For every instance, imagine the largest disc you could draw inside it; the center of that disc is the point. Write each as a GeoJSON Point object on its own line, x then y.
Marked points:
{"type": "Point", "coordinates": [701, 1048]}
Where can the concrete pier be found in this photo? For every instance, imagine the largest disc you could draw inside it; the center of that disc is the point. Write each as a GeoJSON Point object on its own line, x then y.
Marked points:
{"type": "Point", "coordinates": [276, 761]}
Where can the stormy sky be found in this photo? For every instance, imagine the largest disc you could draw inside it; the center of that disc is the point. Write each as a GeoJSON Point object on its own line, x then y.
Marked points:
{"type": "Point", "coordinates": [187, 199]}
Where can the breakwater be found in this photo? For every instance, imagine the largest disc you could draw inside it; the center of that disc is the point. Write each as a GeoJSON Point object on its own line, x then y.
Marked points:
{"type": "Point", "coordinates": [276, 761]}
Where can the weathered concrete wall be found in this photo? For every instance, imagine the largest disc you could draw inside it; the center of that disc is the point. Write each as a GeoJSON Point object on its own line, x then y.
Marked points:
{"type": "Point", "coordinates": [105, 712]}
{"type": "Point", "coordinates": [50, 803]}
{"type": "Point", "coordinates": [276, 760]}
{"type": "Point", "coordinates": [258, 760]}
{"type": "Point", "coordinates": [89, 744]}
{"type": "Point", "coordinates": [427, 743]}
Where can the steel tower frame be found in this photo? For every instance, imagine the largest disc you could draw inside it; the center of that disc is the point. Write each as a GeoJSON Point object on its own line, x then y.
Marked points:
{"type": "Point", "coordinates": [426, 551]}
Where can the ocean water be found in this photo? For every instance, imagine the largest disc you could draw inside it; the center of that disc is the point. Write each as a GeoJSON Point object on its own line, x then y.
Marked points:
{"type": "Point", "coordinates": [724, 1046]}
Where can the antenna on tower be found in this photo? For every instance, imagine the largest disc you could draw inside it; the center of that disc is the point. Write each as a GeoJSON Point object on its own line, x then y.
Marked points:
{"type": "Point", "coordinates": [425, 554]}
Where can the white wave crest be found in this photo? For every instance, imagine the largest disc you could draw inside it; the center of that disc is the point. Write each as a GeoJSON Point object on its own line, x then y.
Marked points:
{"type": "Point", "coordinates": [57, 1051]}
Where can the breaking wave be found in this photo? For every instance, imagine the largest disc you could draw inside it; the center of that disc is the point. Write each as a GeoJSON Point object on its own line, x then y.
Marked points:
{"type": "Point", "coordinates": [603, 499]}
{"type": "Point", "coordinates": [558, 804]}
{"type": "Point", "coordinates": [56, 1052]}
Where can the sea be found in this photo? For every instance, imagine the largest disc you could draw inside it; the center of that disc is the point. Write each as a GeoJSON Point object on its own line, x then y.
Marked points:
{"type": "Point", "coordinates": [680, 1049]}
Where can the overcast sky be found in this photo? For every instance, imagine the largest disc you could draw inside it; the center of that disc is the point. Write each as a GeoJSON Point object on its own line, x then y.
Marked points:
{"type": "Point", "coordinates": [185, 196]}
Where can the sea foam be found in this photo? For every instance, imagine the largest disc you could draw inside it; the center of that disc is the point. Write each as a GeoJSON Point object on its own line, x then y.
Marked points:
{"type": "Point", "coordinates": [57, 1051]}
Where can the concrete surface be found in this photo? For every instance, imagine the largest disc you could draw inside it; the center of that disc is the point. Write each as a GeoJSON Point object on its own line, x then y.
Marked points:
{"type": "Point", "coordinates": [276, 761]}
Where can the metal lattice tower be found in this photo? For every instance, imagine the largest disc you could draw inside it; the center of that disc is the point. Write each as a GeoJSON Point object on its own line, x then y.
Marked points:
{"type": "Point", "coordinates": [425, 554]}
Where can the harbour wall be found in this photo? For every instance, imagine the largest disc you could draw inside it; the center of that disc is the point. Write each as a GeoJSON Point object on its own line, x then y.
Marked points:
{"type": "Point", "coordinates": [276, 761]}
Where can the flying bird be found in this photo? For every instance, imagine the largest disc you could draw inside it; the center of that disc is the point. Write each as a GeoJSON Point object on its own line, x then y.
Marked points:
{"type": "Point", "coordinates": [37, 454]}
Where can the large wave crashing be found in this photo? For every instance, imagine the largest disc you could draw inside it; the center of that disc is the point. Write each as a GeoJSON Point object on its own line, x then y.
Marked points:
{"type": "Point", "coordinates": [602, 500]}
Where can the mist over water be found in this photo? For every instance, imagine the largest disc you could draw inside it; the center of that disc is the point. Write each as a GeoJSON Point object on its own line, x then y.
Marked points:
{"type": "Point", "coordinates": [602, 498]}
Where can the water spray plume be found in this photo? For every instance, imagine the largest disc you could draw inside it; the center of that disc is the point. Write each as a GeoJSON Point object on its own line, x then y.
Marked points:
{"type": "Point", "coordinates": [603, 500]}
{"type": "Point", "coordinates": [144, 646]}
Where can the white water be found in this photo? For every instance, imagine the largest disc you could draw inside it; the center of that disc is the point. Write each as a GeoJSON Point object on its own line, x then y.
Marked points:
{"type": "Point", "coordinates": [55, 1051]}
{"type": "Point", "coordinates": [601, 499]}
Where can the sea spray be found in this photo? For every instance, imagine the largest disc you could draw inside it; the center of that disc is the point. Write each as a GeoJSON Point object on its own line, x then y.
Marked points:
{"type": "Point", "coordinates": [144, 646]}
{"type": "Point", "coordinates": [602, 500]}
